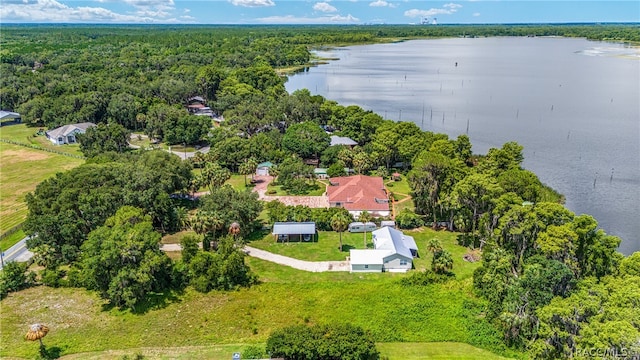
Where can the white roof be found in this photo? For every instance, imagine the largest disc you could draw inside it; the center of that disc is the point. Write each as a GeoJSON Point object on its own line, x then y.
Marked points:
{"type": "Point", "coordinates": [341, 140]}
{"type": "Point", "coordinates": [294, 228]}
{"type": "Point", "coordinates": [387, 238]}
{"type": "Point", "coordinates": [368, 257]}
{"type": "Point", "coordinates": [8, 115]}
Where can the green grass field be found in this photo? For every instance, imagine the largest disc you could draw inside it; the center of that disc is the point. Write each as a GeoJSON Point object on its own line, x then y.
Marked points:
{"type": "Point", "coordinates": [321, 188]}
{"type": "Point", "coordinates": [80, 321]}
{"type": "Point", "coordinates": [27, 135]}
{"type": "Point", "coordinates": [22, 170]}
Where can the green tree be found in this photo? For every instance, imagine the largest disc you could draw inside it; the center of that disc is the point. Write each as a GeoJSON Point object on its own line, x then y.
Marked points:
{"type": "Point", "coordinates": [305, 139]}
{"type": "Point", "coordinates": [442, 262]}
{"type": "Point", "coordinates": [14, 277]}
{"type": "Point", "coordinates": [122, 260]}
{"type": "Point", "coordinates": [214, 175]}
{"type": "Point", "coordinates": [248, 167]}
{"type": "Point", "coordinates": [102, 138]}
{"type": "Point", "coordinates": [365, 217]}
{"type": "Point", "coordinates": [340, 223]}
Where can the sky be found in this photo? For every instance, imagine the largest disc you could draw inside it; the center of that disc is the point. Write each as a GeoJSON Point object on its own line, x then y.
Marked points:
{"type": "Point", "coordinates": [317, 12]}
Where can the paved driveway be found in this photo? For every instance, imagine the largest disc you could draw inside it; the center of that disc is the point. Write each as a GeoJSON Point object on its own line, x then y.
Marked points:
{"type": "Point", "coordinates": [311, 201]}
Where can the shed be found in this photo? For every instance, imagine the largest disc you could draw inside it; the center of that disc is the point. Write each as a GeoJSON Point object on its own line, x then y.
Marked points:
{"type": "Point", "coordinates": [342, 140]}
{"type": "Point", "coordinates": [263, 168]}
{"type": "Point", "coordinates": [9, 117]}
{"type": "Point", "coordinates": [295, 231]}
{"type": "Point", "coordinates": [320, 173]}
{"type": "Point", "coordinates": [389, 223]}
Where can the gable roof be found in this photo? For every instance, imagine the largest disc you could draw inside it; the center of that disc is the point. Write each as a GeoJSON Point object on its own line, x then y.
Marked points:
{"type": "Point", "coordinates": [387, 238]}
{"type": "Point", "coordinates": [267, 164]}
{"type": "Point", "coordinates": [342, 140]}
{"type": "Point", "coordinates": [294, 228]}
{"type": "Point", "coordinates": [8, 115]}
{"type": "Point", "coordinates": [359, 192]}
{"type": "Point", "coordinates": [68, 129]}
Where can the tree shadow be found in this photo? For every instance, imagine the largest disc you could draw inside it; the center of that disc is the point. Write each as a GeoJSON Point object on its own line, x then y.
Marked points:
{"type": "Point", "coordinates": [50, 352]}
{"type": "Point", "coordinates": [347, 248]}
{"type": "Point", "coordinates": [152, 301]}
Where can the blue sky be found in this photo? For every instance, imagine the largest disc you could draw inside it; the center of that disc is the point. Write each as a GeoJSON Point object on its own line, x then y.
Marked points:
{"type": "Point", "coordinates": [316, 12]}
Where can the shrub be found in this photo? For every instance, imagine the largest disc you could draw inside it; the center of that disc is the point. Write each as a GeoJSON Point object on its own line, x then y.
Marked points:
{"type": "Point", "coordinates": [320, 342]}
{"type": "Point", "coordinates": [14, 277]}
{"type": "Point", "coordinates": [407, 219]}
{"type": "Point", "coordinates": [253, 352]}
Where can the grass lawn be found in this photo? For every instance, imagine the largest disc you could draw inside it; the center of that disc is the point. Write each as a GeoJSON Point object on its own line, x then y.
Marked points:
{"type": "Point", "coordinates": [326, 248]}
{"type": "Point", "coordinates": [394, 351]}
{"type": "Point", "coordinates": [401, 187]}
{"type": "Point", "coordinates": [25, 135]}
{"type": "Point", "coordinates": [11, 240]}
{"type": "Point", "coordinates": [280, 192]}
{"type": "Point", "coordinates": [22, 170]}
{"type": "Point", "coordinates": [81, 322]}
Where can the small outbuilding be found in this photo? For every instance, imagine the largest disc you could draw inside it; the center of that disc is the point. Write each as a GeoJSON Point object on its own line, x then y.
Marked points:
{"type": "Point", "coordinates": [9, 118]}
{"type": "Point", "coordinates": [263, 168]}
{"type": "Point", "coordinates": [295, 231]}
{"type": "Point", "coordinates": [389, 223]}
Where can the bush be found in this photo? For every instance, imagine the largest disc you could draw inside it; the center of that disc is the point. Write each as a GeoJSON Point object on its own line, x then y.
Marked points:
{"type": "Point", "coordinates": [407, 219]}
{"type": "Point", "coordinates": [253, 352]}
{"type": "Point", "coordinates": [53, 277]}
{"type": "Point", "coordinates": [322, 342]}
{"type": "Point", "coordinates": [14, 277]}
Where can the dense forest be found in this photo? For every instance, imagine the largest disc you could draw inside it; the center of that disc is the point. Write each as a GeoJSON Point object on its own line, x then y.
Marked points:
{"type": "Point", "coordinates": [553, 281]}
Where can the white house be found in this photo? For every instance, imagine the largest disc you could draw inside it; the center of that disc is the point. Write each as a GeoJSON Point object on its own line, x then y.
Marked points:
{"type": "Point", "coordinates": [394, 252]}
{"type": "Point", "coordinates": [67, 134]}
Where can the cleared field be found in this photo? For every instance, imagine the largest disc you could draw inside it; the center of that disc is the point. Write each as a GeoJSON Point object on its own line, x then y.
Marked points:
{"type": "Point", "coordinates": [27, 135]}
{"type": "Point", "coordinates": [22, 170]}
{"type": "Point", "coordinates": [81, 322]}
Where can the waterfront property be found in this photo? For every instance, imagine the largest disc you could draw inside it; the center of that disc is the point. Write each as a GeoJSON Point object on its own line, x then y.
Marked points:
{"type": "Point", "coordinates": [294, 231]}
{"type": "Point", "coordinates": [67, 134]}
{"type": "Point", "coordinates": [393, 252]}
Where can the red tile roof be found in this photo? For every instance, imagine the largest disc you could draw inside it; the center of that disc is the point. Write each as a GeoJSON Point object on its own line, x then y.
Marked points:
{"type": "Point", "coordinates": [359, 192]}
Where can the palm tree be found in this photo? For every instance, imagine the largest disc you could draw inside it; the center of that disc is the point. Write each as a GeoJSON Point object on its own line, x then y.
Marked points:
{"type": "Point", "coordinates": [442, 262]}
{"type": "Point", "coordinates": [365, 217]}
{"type": "Point", "coordinates": [340, 223]}
{"type": "Point", "coordinates": [434, 246]}
{"type": "Point", "coordinates": [248, 167]}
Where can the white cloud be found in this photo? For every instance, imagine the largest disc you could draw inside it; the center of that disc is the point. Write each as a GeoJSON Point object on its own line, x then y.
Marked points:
{"type": "Point", "coordinates": [290, 19]}
{"type": "Point", "coordinates": [252, 3]}
{"type": "Point", "coordinates": [52, 11]}
{"type": "Point", "coordinates": [476, 14]}
{"type": "Point", "coordinates": [382, 3]}
{"type": "Point", "coordinates": [447, 9]}
{"type": "Point", "coordinates": [324, 7]}
{"type": "Point", "coordinates": [452, 6]}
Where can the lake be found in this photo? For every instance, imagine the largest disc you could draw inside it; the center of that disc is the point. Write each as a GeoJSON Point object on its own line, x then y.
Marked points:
{"type": "Point", "coordinates": [573, 104]}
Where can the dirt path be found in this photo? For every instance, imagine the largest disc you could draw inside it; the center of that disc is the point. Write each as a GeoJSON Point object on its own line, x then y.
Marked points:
{"type": "Point", "coordinates": [311, 266]}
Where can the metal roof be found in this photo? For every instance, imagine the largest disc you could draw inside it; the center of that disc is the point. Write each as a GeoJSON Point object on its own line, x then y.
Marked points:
{"type": "Point", "coordinates": [8, 115]}
{"type": "Point", "coordinates": [294, 228]}
{"type": "Point", "coordinates": [368, 257]}
{"type": "Point", "coordinates": [342, 140]}
{"type": "Point", "coordinates": [387, 238]}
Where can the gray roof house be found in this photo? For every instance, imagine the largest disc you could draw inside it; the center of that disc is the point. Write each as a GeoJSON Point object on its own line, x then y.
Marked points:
{"type": "Point", "coordinates": [263, 168]}
{"type": "Point", "coordinates": [9, 117]}
{"type": "Point", "coordinates": [394, 252]}
{"type": "Point", "coordinates": [295, 231]}
{"type": "Point", "coordinates": [67, 134]}
{"type": "Point", "coordinates": [341, 140]}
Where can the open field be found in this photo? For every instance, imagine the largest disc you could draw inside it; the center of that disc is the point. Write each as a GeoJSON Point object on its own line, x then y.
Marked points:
{"type": "Point", "coordinates": [81, 322]}
{"type": "Point", "coordinates": [22, 170]}
{"type": "Point", "coordinates": [25, 135]}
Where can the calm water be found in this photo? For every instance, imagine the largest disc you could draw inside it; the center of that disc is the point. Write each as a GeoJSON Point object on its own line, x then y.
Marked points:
{"type": "Point", "coordinates": [573, 104]}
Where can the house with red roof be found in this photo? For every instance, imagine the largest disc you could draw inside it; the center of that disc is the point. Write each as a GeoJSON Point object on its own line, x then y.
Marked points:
{"type": "Point", "coordinates": [359, 193]}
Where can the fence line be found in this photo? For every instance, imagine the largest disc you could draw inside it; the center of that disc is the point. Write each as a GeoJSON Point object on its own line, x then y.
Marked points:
{"type": "Point", "coordinates": [35, 147]}
{"type": "Point", "coordinates": [14, 229]}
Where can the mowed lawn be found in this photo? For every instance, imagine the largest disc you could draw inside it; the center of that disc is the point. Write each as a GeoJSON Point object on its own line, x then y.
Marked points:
{"type": "Point", "coordinates": [22, 170]}
{"type": "Point", "coordinates": [80, 321]}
